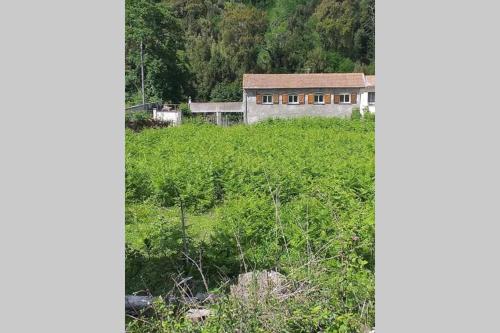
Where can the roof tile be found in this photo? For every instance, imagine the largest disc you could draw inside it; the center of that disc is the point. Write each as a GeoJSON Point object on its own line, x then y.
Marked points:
{"type": "Point", "coordinates": [316, 80]}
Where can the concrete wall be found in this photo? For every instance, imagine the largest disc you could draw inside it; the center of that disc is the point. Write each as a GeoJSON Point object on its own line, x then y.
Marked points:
{"type": "Point", "coordinates": [221, 110]}
{"type": "Point", "coordinates": [257, 112]}
{"type": "Point", "coordinates": [216, 107]}
{"type": "Point", "coordinates": [173, 116]}
{"type": "Point", "coordinates": [364, 100]}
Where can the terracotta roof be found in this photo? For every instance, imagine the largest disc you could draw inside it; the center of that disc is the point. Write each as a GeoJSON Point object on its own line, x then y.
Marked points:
{"type": "Point", "coordinates": [370, 80]}
{"type": "Point", "coordinates": [316, 80]}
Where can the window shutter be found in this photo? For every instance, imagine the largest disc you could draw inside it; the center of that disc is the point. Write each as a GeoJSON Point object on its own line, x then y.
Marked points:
{"type": "Point", "coordinates": [336, 99]}
{"type": "Point", "coordinates": [276, 98]}
{"type": "Point", "coordinates": [301, 98]}
{"type": "Point", "coordinates": [259, 99]}
{"type": "Point", "coordinates": [310, 99]}
{"type": "Point", "coordinates": [354, 98]}
{"type": "Point", "coordinates": [327, 98]}
{"type": "Point", "coordinates": [284, 99]}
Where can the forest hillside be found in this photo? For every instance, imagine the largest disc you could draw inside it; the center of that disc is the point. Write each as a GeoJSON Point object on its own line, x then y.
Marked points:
{"type": "Point", "coordinates": [201, 48]}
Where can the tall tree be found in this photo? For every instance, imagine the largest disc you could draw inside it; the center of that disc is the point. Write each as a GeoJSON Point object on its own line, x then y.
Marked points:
{"type": "Point", "coordinates": [347, 33]}
{"type": "Point", "coordinates": [365, 36]}
{"type": "Point", "coordinates": [166, 72]}
{"type": "Point", "coordinates": [242, 36]}
{"type": "Point", "coordinates": [223, 39]}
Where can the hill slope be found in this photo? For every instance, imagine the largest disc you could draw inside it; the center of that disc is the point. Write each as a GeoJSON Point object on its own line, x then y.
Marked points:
{"type": "Point", "coordinates": [202, 48]}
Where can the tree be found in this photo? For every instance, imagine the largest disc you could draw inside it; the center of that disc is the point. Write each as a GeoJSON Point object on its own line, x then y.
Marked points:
{"type": "Point", "coordinates": [242, 34]}
{"type": "Point", "coordinates": [337, 23]}
{"type": "Point", "coordinates": [366, 33]}
{"type": "Point", "coordinates": [165, 64]}
{"type": "Point", "coordinates": [226, 92]}
{"type": "Point", "coordinates": [291, 36]}
{"type": "Point", "coordinates": [347, 27]}
{"type": "Point", "coordinates": [202, 48]}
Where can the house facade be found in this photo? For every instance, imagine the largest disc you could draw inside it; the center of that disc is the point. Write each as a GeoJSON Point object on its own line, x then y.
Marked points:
{"type": "Point", "coordinates": [296, 95]}
{"type": "Point", "coordinates": [367, 101]}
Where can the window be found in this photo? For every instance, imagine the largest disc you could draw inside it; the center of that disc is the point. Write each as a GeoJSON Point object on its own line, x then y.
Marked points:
{"type": "Point", "coordinates": [267, 99]}
{"type": "Point", "coordinates": [293, 99]}
{"type": "Point", "coordinates": [345, 98]}
{"type": "Point", "coordinates": [371, 97]}
{"type": "Point", "coordinates": [318, 99]}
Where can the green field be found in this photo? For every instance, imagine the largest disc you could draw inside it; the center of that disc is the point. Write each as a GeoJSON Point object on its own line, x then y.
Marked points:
{"type": "Point", "coordinates": [296, 196]}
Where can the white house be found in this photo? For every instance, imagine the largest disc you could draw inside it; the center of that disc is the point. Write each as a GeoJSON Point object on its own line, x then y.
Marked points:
{"type": "Point", "coordinates": [368, 94]}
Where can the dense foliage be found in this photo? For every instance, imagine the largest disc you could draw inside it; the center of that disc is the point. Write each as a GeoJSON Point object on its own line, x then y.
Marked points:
{"type": "Point", "coordinates": [296, 196]}
{"type": "Point", "coordinates": [139, 120]}
{"type": "Point", "coordinates": [201, 48]}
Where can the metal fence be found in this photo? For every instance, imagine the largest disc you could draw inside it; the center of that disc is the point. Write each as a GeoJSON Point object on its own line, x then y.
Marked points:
{"type": "Point", "coordinates": [229, 119]}
{"type": "Point", "coordinates": [221, 119]}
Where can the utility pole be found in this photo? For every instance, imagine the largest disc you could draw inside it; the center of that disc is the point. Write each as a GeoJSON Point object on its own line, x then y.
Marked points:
{"type": "Point", "coordinates": [142, 76]}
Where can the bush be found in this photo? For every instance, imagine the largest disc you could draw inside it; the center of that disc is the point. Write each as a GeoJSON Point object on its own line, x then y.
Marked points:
{"type": "Point", "coordinates": [143, 119]}
{"type": "Point", "coordinates": [355, 114]}
{"type": "Point", "coordinates": [370, 116]}
{"type": "Point", "coordinates": [141, 116]}
{"type": "Point", "coordinates": [185, 110]}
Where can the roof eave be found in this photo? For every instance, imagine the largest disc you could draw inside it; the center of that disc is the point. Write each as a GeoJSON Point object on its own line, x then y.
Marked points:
{"type": "Point", "coordinates": [329, 87]}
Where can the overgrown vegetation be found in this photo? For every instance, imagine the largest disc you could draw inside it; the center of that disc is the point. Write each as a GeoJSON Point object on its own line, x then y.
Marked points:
{"type": "Point", "coordinates": [202, 48]}
{"type": "Point", "coordinates": [356, 114]}
{"type": "Point", "coordinates": [137, 121]}
{"type": "Point", "coordinates": [295, 196]}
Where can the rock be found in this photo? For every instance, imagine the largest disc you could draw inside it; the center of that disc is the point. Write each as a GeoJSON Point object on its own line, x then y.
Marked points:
{"type": "Point", "coordinates": [260, 284]}
{"type": "Point", "coordinates": [197, 314]}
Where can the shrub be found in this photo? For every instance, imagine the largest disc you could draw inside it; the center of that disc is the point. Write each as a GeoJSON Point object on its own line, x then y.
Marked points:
{"type": "Point", "coordinates": [140, 120]}
{"type": "Point", "coordinates": [185, 110]}
{"type": "Point", "coordinates": [355, 114]}
{"type": "Point", "coordinates": [370, 116]}
{"type": "Point", "coordinates": [141, 116]}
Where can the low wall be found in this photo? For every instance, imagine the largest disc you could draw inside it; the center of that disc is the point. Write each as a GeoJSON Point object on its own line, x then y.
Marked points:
{"type": "Point", "coordinates": [213, 107]}
{"type": "Point", "coordinates": [175, 117]}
